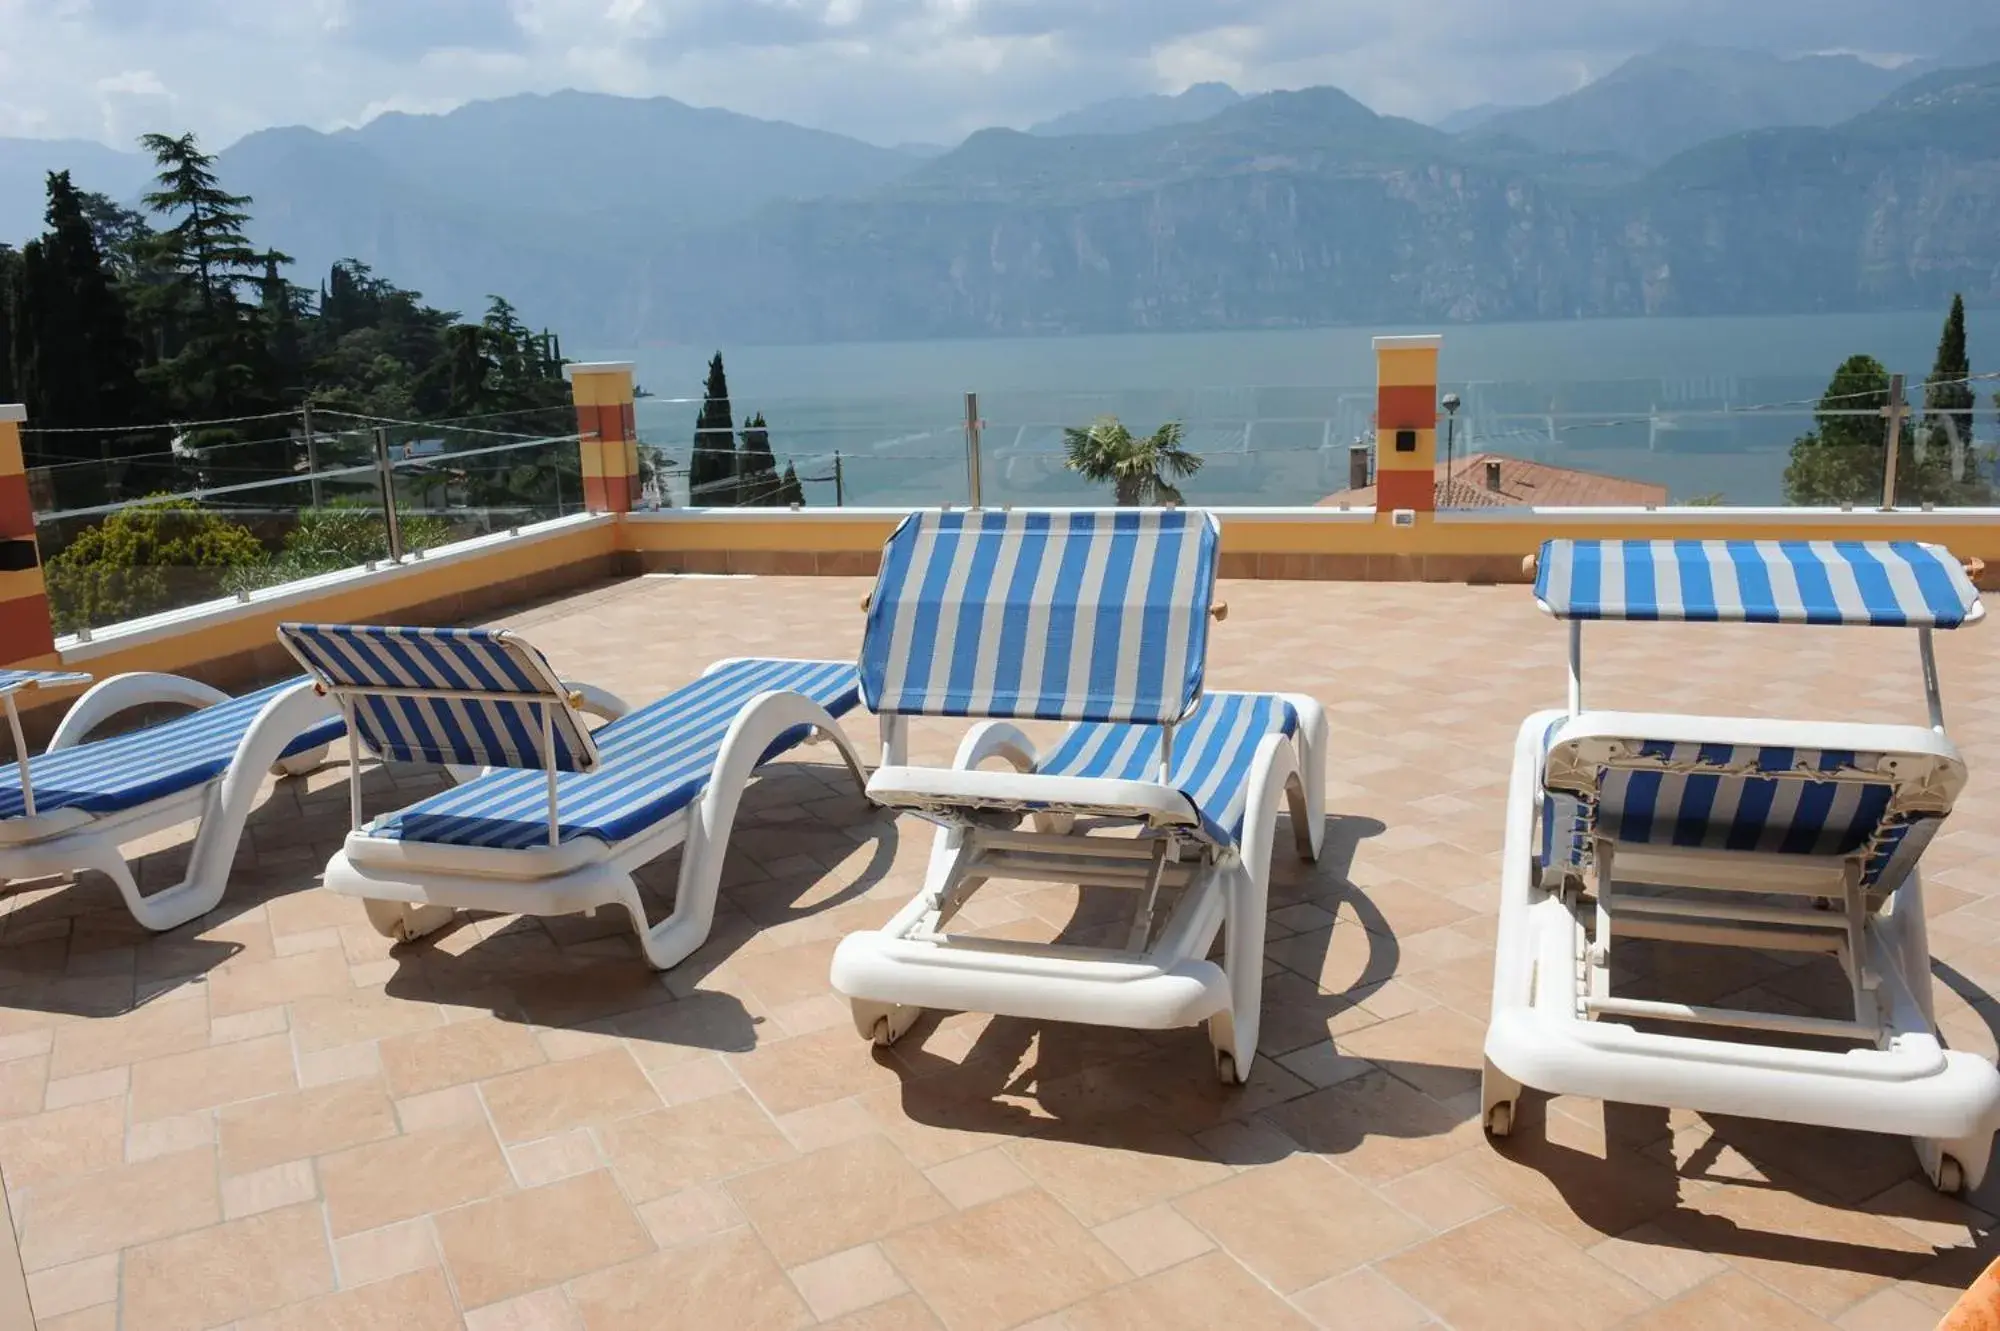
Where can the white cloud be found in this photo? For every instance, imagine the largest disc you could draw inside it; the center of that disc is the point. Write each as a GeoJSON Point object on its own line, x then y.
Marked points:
{"type": "Point", "coordinates": [884, 69]}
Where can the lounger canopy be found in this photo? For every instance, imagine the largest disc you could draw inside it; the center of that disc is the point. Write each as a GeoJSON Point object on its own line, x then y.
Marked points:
{"type": "Point", "coordinates": [1882, 584]}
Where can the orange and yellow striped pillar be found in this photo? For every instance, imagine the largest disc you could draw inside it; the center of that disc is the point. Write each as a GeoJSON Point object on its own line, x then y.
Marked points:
{"type": "Point", "coordinates": [27, 637]}
{"type": "Point", "coordinates": [602, 391]}
{"type": "Point", "coordinates": [1406, 408]}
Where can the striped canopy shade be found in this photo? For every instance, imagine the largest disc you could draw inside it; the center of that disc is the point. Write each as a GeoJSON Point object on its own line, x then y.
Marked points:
{"type": "Point", "coordinates": [407, 687]}
{"type": "Point", "coordinates": [1896, 584]}
{"type": "Point", "coordinates": [1060, 616]}
{"type": "Point", "coordinates": [13, 681]}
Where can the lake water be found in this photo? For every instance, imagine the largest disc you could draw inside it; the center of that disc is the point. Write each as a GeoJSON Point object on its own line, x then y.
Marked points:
{"type": "Point", "coordinates": [1703, 406]}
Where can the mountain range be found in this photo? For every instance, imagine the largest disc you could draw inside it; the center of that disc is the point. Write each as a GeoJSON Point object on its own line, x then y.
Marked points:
{"type": "Point", "coordinates": [1690, 181]}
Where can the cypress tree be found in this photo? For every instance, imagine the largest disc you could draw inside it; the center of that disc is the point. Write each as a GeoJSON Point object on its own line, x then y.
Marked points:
{"type": "Point", "coordinates": [757, 483]}
{"type": "Point", "coordinates": [789, 489]}
{"type": "Point", "coordinates": [466, 356]}
{"type": "Point", "coordinates": [1948, 398]}
{"type": "Point", "coordinates": [712, 467]}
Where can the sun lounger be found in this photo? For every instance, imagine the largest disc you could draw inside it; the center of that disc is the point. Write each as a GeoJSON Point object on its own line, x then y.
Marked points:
{"type": "Point", "coordinates": [74, 806]}
{"type": "Point", "coordinates": [564, 815]}
{"type": "Point", "coordinates": [1100, 620]}
{"type": "Point", "coordinates": [1780, 836]}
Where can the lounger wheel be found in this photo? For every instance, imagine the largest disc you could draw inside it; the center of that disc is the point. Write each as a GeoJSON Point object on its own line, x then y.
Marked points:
{"type": "Point", "coordinates": [300, 763]}
{"type": "Point", "coordinates": [406, 921]}
{"type": "Point", "coordinates": [1498, 1094]}
{"type": "Point", "coordinates": [883, 1023]}
{"type": "Point", "coordinates": [1957, 1164]}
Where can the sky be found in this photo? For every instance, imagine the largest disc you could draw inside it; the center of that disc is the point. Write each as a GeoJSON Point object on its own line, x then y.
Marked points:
{"type": "Point", "coordinates": [885, 70]}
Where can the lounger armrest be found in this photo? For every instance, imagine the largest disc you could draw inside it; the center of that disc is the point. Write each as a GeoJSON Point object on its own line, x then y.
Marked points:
{"type": "Point", "coordinates": [938, 790]}
{"type": "Point", "coordinates": [121, 693]}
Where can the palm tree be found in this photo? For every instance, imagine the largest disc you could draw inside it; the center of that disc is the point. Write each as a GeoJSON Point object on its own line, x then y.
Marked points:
{"type": "Point", "coordinates": [1137, 468]}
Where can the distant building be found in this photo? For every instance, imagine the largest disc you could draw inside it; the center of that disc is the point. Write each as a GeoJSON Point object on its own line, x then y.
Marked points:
{"type": "Point", "coordinates": [1493, 480]}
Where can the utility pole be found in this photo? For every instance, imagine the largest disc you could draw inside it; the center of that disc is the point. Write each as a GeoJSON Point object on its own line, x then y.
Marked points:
{"type": "Point", "coordinates": [839, 492]}
{"type": "Point", "coordinates": [1894, 412]}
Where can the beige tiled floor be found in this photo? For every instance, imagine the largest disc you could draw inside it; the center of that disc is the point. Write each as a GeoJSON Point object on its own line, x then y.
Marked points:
{"type": "Point", "coordinates": [272, 1119]}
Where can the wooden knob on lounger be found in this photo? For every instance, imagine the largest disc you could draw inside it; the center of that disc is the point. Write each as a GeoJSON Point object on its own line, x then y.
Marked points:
{"type": "Point", "coordinates": [1528, 564]}
{"type": "Point", "coordinates": [866, 597]}
{"type": "Point", "coordinates": [1975, 567]}
{"type": "Point", "coordinates": [1220, 610]}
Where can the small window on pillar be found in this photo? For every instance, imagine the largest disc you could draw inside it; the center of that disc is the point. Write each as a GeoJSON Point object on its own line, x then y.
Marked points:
{"type": "Point", "coordinates": [1406, 441]}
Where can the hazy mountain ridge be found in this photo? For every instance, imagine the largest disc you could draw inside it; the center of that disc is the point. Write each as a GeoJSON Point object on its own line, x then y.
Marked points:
{"type": "Point", "coordinates": [1133, 115]}
{"type": "Point", "coordinates": [1306, 208]}
{"type": "Point", "coordinates": [1656, 105]}
{"type": "Point", "coordinates": [1277, 210]}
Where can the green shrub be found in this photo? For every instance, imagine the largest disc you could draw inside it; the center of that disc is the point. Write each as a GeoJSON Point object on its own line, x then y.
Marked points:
{"type": "Point", "coordinates": [343, 534]}
{"type": "Point", "coordinates": [153, 556]}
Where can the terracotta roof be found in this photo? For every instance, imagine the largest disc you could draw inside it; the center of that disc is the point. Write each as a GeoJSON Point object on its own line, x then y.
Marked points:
{"type": "Point", "coordinates": [1522, 484]}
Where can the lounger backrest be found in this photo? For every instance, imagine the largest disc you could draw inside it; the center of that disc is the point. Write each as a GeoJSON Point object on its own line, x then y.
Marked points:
{"type": "Point", "coordinates": [473, 697]}
{"type": "Point", "coordinates": [1051, 615]}
{"type": "Point", "coordinates": [1884, 806]}
{"type": "Point", "coordinates": [1898, 584]}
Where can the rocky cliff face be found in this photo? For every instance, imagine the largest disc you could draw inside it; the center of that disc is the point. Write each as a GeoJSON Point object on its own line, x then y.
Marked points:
{"type": "Point", "coordinates": [1335, 216]}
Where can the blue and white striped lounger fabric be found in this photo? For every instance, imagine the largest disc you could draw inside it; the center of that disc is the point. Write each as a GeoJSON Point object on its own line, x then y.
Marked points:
{"type": "Point", "coordinates": [502, 728]}
{"type": "Point", "coordinates": [654, 762]}
{"type": "Point", "coordinates": [1213, 749]}
{"type": "Point", "coordinates": [125, 771]}
{"type": "Point", "coordinates": [1785, 801]}
{"type": "Point", "coordinates": [1059, 616]}
{"type": "Point", "coordinates": [1893, 584]}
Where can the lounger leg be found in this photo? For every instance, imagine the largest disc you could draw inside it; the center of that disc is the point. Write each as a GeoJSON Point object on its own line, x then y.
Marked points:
{"type": "Point", "coordinates": [406, 921]}
{"type": "Point", "coordinates": [1307, 797]}
{"type": "Point", "coordinates": [758, 726]}
{"type": "Point", "coordinates": [1274, 775]}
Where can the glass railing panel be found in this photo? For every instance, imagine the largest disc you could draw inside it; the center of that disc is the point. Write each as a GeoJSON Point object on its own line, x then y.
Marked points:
{"type": "Point", "coordinates": [112, 564]}
{"type": "Point", "coordinates": [842, 451]}
{"type": "Point", "coordinates": [1627, 442]}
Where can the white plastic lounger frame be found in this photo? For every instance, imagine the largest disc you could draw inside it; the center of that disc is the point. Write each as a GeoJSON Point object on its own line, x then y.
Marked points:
{"type": "Point", "coordinates": [1101, 620]}
{"type": "Point", "coordinates": [69, 828]}
{"type": "Point", "coordinates": [473, 698]}
{"type": "Point", "coordinates": [1734, 832]}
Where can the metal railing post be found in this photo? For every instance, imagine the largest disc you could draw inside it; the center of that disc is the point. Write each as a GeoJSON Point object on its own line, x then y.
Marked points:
{"type": "Point", "coordinates": [1894, 412]}
{"type": "Point", "coordinates": [385, 482]}
{"type": "Point", "coordinates": [972, 449]}
{"type": "Point", "coordinates": [312, 454]}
